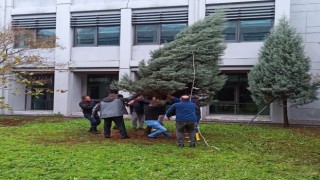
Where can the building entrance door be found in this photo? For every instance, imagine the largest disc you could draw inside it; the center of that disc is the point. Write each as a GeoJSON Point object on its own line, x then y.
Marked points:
{"type": "Point", "coordinates": [98, 85]}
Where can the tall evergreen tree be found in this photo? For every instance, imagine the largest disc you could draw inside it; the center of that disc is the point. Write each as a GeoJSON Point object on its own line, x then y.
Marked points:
{"type": "Point", "coordinates": [191, 60]}
{"type": "Point", "coordinates": [282, 73]}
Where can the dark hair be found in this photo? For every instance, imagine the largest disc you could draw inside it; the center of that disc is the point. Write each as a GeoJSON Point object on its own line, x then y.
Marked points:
{"type": "Point", "coordinates": [120, 96]}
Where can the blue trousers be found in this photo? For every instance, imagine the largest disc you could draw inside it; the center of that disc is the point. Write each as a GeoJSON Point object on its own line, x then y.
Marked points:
{"type": "Point", "coordinates": [93, 121]}
{"type": "Point", "coordinates": [155, 124]}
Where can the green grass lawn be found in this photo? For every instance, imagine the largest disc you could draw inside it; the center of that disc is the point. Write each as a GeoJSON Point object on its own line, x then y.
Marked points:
{"type": "Point", "coordinates": [58, 148]}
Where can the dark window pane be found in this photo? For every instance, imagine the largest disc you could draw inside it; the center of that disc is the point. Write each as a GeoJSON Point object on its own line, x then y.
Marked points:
{"type": "Point", "coordinates": [24, 38]}
{"type": "Point", "coordinates": [169, 31]}
{"type": "Point", "coordinates": [109, 35]}
{"type": "Point", "coordinates": [254, 30]}
{"type": "Point", "coordinates": [147, 34]}
{"type": "Point", "coordinates": [46, 38]}
{"type": "Point", "coordinates": [45, 33]}
{"type": "Point", "coordinates": [85, 36]}
{"type": "Point", "coordinates": [43, 101]}
{"type": "Point", "coordinates": [230, 31]}
{"type": "Point", "coordinates": [20, 41]}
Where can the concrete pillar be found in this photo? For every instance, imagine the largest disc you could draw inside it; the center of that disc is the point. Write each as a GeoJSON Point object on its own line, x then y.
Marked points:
{"type": "Point", "coordinates": [62, 85]}
{"type": "Point", "coordinates": [7, 14]}
{"type": "Point", "coordinates": [276, 112]}
{"type": "Point", "coordinates": [126, 41]}
{"type": "Point", "coordinates": [197, 11]}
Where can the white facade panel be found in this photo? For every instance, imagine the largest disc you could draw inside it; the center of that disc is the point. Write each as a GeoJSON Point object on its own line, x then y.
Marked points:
{"type": "Point", "coordinates": [313, 20]}
{"type": "Point", "coordinates": [229, 1]}
{"type": "Point", "coordinates": [299, 19]}
{"type": "Point", "coordinates": [293, 2]}
{"type": "Point", "coordinates": [142, 52]}
{"type": "Point", "coordinates": [34, 3]}
{"type": "Point", "coordinates": [103, 54]}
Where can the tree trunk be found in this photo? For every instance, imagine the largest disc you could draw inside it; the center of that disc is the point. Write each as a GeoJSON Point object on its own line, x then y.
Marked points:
{"type": "Point", "coordinates": [285, 114]}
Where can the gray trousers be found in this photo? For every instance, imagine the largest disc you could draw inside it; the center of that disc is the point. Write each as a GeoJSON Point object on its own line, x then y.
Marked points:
{"type": "Point", "coordinates": [185, 127]}
{"type": "Point", "coordinates": [137, 117]}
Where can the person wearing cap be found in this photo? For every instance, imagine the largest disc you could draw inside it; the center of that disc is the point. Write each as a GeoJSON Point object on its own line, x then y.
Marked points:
{"type": "Point", "coordinates": [185, 112]}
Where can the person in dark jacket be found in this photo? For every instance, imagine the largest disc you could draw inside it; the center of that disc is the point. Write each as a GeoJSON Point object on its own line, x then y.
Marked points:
{"type": "Point", "coordinates": [185, 112]}
{"type": "Point", "coordinates": [152, 113]}
{"type": "Point", "coordinates": [87, 105]}
{"type": "Point", "coordinates": [112, 109]}
{"type": "Point", "coordinates": [136, 105]}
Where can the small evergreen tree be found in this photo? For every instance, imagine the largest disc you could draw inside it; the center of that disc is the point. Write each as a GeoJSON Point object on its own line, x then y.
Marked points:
{"type": "Point", "coordinates": [191, 60]}
{"type": "Point", "coordinates": [282, 73]}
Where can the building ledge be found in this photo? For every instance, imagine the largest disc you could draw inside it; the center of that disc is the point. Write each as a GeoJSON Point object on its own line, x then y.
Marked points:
{"type": "Point", "coordinates": [33, 112]}
{"type": "Point", "coordinates": [236, 118]}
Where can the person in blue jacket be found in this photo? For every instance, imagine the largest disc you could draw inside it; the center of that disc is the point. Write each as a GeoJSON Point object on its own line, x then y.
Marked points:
{"type": "Point", "coordinates": [185, 112]}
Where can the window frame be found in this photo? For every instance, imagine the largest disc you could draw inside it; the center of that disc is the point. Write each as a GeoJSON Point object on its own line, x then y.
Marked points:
{"type": "Point", "coordinates": [96, 36]}
{"type": "Point", "coordinates": [238, 29]}
{"type": "Point", "coordinates": [34, 34]}
{"type": "Point", "coordinates": [159, 32]}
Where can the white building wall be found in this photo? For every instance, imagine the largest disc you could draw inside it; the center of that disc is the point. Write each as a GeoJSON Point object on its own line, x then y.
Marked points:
{"type": "Point", "coordinates": [304, 17]}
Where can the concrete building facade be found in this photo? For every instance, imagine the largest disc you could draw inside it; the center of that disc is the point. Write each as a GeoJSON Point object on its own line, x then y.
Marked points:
{"type": "Point", "coordinates": [105, 39]}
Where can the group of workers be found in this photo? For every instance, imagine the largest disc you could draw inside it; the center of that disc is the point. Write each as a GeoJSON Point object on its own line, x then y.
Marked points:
{"type": "Point", "coordinates": [142, 111]}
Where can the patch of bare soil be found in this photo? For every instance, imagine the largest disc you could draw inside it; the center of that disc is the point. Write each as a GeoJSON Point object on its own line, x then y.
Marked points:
{"type": "Point", "coordinates": [138, 136]}
{"type": "Point", "coordinates": [309, 131]}
{"type": "Point", "coordinates": [17, 122]}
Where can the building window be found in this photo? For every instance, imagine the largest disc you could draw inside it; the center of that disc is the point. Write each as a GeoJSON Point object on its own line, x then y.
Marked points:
{"type": "Point", "coordinates": [43, 100]}
{"type": "Point", "coordinates": [85, 36]}
{"type": "Point", "coordinates": [96, 36]}
{"type": "Point", "coordinates": [147, 34]}
{"type": "Point", "coordinates": [230, 31]}
{"type": "Point", "coordinates": [247, 30]}
{"type": "Point", "coordinates": [169, 31]}
{"type": "Point", "coordinates": [157, 33]}
{"type": "Point", "coordinates": [254, 30]}
{"type": "Point", "coordinates": [235, 98]}
{"type": "Point", "coordinates": [35, 38]}
{"type": "Point", "coordinates": [109, 35]}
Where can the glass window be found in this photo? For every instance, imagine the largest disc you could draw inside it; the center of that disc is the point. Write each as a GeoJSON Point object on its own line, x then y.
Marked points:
{"type": "Point", "coordinates": [230, 31]}
{"type": "Point", "coordinates": [46, 38]}
{"type": "Point", "coordinates": [43, 101]}
{"type": "Point", "coordinates": [169, 31]}
{"type": "Point", "coordinates": [254, 30]}
{"type": "Point", "coordinates": [109, 35]}
{"type": "Point", "coordinates": [85, 35]}
{"type": "Point", "coordinates": [45, 33]}
{"type": "Point", "coordinates": [20, 41]}
{"type": "Point", "coordinates": [23, 38]}
{"type": "Point", "coordinates": [147, 34]}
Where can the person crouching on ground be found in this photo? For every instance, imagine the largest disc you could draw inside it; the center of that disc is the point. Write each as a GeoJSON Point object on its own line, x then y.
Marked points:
{"type": "Point", "coordinates": [112, 109]}
{"type": "Point", "coordinates": [152, 112]}
{"type": "Point", "coordinates": [185, 112]}
{"type": "Point", "coordinates": [87, 105]}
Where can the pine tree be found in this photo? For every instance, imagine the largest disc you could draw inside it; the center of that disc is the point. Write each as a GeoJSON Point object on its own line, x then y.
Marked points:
{"type": "Point", "coordinates": [171, 68]}
{"type": "Point", "coordinates": [282, 73]}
